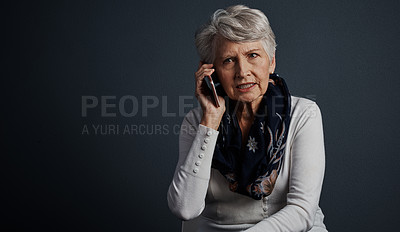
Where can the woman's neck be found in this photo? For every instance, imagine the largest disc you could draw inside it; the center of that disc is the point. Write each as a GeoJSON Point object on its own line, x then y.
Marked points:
{"type": "Point", "coordinates": [245, 111]}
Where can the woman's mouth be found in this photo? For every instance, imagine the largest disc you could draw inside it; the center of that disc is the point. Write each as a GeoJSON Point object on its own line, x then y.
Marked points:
{"type": "Point", "coordinates": [246, 87]}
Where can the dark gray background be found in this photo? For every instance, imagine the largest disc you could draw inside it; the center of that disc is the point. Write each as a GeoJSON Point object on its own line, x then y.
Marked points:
{"type": "Point", "coordinates": [343, 54]}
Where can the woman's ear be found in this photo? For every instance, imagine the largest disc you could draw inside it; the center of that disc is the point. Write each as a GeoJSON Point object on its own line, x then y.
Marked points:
{"type": "Point", "coordinates": [272, 65]}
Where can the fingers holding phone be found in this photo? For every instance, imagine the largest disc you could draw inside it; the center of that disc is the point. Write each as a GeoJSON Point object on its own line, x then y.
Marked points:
{"type": "Point", "coordinates": [204, 71]}
{"type": "Point", "coordinates": [213, 106]}
{"type": "Point", "coordinates": [211, 86]}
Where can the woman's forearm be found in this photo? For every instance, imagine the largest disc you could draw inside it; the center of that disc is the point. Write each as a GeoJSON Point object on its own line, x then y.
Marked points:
{"type": "Point", "coordinates": [187, 192]}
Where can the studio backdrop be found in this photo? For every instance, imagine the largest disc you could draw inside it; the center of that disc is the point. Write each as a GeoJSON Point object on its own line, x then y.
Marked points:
{"type": "Point", "coordinates": [95, 93]}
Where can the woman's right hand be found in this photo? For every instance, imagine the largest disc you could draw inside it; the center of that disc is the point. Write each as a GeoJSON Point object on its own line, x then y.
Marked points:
{"type": "Point", "coordinates": [212, 115]}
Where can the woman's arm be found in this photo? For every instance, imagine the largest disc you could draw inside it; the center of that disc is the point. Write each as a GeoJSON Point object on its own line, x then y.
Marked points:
{"type": "Point", "coordinates": [197, 139]}
{"type": "Point", "coordinates": [305, 180]}
{"type": "Point", "coordinates": [187, 192]}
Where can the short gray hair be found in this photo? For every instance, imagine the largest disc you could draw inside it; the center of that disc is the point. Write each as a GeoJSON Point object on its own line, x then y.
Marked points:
{"type": "Point", "coordinates": [237, 24]}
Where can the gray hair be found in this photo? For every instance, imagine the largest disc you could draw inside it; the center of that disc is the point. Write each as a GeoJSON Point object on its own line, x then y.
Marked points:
{"type": "Point", "coordinates": [237, 24]}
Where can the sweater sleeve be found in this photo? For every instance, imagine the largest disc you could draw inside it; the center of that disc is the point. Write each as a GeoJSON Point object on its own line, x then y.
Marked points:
{"type": "Point", "coordinates": [187, 192]}
{"type": "Point", "coordinates": [307, 169]}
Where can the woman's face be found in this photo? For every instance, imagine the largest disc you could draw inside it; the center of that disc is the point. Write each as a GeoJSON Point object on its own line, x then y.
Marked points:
{"type": "Point", "coordinates": [243, 69]}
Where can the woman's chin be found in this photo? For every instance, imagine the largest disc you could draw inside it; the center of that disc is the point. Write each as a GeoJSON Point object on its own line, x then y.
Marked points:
{"type": "Point", "coordinates": [248, 96]}
{"type": "Point", "coordinates": [247, 99]}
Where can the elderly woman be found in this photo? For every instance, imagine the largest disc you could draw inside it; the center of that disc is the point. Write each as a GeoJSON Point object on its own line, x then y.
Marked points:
{"type": "Point", "coordinates": [256, 163]}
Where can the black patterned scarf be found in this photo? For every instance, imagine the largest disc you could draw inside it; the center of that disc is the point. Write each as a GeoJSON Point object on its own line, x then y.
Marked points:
{"type": "Point", "coordinates": [252, 168]}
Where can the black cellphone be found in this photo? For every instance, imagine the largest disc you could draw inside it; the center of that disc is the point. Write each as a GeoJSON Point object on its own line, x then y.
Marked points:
{"type": "Point", "coordinates": [213, 85]}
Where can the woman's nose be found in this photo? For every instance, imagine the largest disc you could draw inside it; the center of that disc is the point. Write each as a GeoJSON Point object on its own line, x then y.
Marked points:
{"type": "Point", "coordinates": [242, 69]}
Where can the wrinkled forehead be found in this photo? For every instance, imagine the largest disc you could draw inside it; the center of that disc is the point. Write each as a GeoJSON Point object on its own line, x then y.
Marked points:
{"type": "Point", "coordinates": [227, 48]}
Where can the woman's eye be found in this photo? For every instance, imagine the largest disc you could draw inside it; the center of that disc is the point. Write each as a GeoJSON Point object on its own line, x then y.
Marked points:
{"type": "Point", "coordinates": [253, 55]}
{"type": "Point", "coordinates": [228, 60]}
